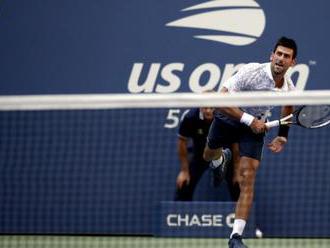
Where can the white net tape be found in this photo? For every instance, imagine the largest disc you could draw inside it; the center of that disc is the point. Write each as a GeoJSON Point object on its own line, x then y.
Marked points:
{"type": "Point", "coordinates": [185, 100]}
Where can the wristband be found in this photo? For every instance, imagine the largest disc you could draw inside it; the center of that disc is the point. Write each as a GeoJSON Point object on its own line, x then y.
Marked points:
{"type": "Point", "coordinates": [247, 119]}
{"type": "Point", "coordinates": [283, 131]}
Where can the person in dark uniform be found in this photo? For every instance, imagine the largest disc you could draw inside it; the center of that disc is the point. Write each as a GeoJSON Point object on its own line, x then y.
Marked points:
{"type": "Point", "coordinates": [194, 128]}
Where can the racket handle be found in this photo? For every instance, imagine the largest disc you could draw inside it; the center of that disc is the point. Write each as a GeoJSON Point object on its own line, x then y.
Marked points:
{"type": "Point", "coordinates": [272, 124]}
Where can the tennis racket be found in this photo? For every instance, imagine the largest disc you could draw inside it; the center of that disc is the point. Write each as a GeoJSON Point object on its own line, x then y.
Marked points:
{"type": "Point", "coordinates": [306, 116]}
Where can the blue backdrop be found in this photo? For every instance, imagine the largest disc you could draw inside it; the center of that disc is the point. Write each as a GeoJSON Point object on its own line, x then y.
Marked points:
{"type": "Point", "coordinates": [84, 177]}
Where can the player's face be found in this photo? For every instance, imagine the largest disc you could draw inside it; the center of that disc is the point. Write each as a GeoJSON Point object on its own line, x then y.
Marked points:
{"type": "Point", "coordinates": [207, 113]}
{"type": "Point", "coordinates": [281, 60]}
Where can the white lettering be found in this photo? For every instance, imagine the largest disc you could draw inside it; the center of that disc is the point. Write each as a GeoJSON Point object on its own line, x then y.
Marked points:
{"type": "Point", "coordinates": [207, 220]}
{"type": "Point", "coordinates": [169, 220]}
{"type": "Point", "coordinates": [172, 119]}
{"type": "Point", "coordinates": [194, 220]}
{"type": "Point", "coordinates": [230, 220]}
{"type": "Point", "coordinates": [217, 220]}
{"type": "Point", "coordinates": [183, 219]}
{"type": "Point", "coordinates": [303, 73]}
{"type": "Point", "coordinates": [169, 74]}
{"type": "Point", "coordinates": [172, 79]}
{"type": "Point", "coordinates": [214, 76]}
{"type": "Point", "coordinates": [148, 85]}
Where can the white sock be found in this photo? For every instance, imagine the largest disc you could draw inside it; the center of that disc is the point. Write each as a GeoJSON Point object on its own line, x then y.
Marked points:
{"type": "Point", "coordinates": [217, 162]}
{"type": "Point", "coordinates": [239, 225]}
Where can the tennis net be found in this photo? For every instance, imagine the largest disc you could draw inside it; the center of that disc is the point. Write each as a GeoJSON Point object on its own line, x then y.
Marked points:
{"type": "Point", "coordinates": [100, 171]}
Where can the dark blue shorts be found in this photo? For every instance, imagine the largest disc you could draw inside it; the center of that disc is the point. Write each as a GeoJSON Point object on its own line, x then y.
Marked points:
{"type": "Point", "coordinates": [225, 131]}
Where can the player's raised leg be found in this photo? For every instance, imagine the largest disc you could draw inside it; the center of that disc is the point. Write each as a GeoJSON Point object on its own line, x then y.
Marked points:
{"type": "Point", "coordinates": [218, 157]}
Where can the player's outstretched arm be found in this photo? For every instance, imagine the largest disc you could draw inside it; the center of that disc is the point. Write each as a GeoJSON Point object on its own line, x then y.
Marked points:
{"type": "Point", "coordinates": [257, 126]}
{"type": "Point", "coordinates": [277, 144]}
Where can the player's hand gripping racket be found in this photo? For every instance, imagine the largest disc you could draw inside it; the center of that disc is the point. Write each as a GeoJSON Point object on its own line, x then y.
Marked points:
{"type": "Point", "coordinates": [306, 116]}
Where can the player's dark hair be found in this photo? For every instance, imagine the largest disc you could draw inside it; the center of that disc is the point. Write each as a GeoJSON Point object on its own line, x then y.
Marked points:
{"type": "Point", "coordinates": [289, 43]}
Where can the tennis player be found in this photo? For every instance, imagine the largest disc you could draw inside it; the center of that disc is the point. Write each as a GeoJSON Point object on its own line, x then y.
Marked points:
{"type": "Point", "coordinates": [193, 131]}
{"type": "Point", "coordinates": [245, 128]}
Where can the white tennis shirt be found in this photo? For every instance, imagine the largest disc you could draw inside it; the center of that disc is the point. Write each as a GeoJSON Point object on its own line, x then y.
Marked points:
{"type": "Point", "coordinates": [256, 77]}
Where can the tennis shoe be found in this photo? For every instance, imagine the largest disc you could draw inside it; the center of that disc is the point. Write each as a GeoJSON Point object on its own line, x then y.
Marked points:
{"type": "Point", "coordinates": [219, 173]}
{"type": "Point", "coordinates": [236, 242]}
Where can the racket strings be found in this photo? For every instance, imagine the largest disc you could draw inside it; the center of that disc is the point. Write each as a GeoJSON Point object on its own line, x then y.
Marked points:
{"type": "Point", "coordinates": [314, 116]}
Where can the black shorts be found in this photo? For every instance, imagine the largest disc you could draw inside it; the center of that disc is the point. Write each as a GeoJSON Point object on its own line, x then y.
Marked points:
{"type": "Point", "coordinates": [225, 131]}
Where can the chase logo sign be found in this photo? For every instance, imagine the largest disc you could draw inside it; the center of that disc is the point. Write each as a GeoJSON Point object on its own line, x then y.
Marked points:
{"type": "Point", "coordinates": [236, 22]}
{"type": "Point", "coordinates": [197, 219]}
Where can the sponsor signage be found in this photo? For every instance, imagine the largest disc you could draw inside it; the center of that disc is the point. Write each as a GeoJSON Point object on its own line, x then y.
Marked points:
{"type": "Point", "coordinates": [198, 219]}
